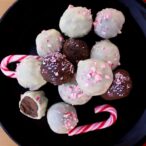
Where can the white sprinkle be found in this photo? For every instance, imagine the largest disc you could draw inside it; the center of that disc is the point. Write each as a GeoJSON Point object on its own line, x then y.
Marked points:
{"type": "Point", "coordinates": [49, 45]}
{"type": "Point", "coordinates": [98, 78]}
{"type": "Point", "coordinates": [56, 73]}
{"type": "Point", "coordinates": [119, 63]}
{"type": "Point", "coordinates": [109, 62]}
{"type": "Point", "coordinates": [107, 77]}
{"type": "Point", "coordinates": [86, 85]}
{"type": "Point", "coordinates": [63, 69]}
{"type": "Point", "coordinates": [103, 66]}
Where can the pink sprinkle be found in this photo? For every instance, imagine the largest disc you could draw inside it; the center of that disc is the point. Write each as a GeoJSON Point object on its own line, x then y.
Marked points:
{"type": "Point", "coordinates": [43, 31]}
{"type": "Point", "coordinates": [73, 95]}
{"type": "Point", "coordinates": [60, 38]}
{"type": "Point", "coordinates": [76, 88]}
{"type": "Point", "coordinates": [110, 63]}
{"type": "Point", "coordinates": [89, 76]}
{"type": "Point", "coordinates": [103, 66]}
{"type": "Point", "coordinates": [86, 85]}
{"type": "Point", "coordinates": [118, 82]}
{"type": "Point", "coordinates": [70, 6]}
{"type": "Point", "coordinates": [98, 78]}
{"type": "Point", "coordinates": [93, 69]}
{"type": "Point", "coordinates": [53, 59]}
{"type": "Point", "coordinates": [63, 69]}
{"type": "Point", "coordinates": [107, 16]}
{"type": "Point", "coordinates": [38, 98]}
{"type": "Point", "coordinates": [107, 77]}
{"type": "Point", "coordinates": [70, 89]}
{"type": "Point", "coordinates": [84, 13]}
{"type": "Point", "coordinates": [69, 118]}
{"type": "Point", "coordinates": [56, 73]}
{"type": "Point", "coordinates": [79, 95]}
{"type": "Point", "coordinates": [95, 23]}
{"type": "Point", "coordinates": [61, 78]}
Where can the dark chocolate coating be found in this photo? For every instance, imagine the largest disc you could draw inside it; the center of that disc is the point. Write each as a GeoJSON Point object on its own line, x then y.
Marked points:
{"type": "Point", "coordinates": [29, 106]}
{"type": "Point", "coordinates": [76, 50]}
{"type": "Point", "coordinates": [120, 87]}
{"type": "Point", "coordinates": [56, 69]}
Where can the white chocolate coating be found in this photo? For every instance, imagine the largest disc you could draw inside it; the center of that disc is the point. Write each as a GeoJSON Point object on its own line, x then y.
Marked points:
{"type": "Point", "coordinates": [76, 22]}
{"type": "Point", "coordinates": [106, 51]}
{"type": "Point", "coordinates": [94, 77]}
{"type": "Point", "coordinates": [72, 94]}
{"type": "Point", "coordinates": [48, 41]}
{"type": "Point", "coordinates": [62, 117]}
{"type": "Point", "coordinates": [28, 73]}
{"type": "Point", "coordinates": [39, 98]}
{"type": "Point", "coordinates": [108, 23]}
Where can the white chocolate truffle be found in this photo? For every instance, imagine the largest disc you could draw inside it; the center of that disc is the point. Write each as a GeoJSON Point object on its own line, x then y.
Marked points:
{"type": "Point", "coordinates": [76, 21]}
{"type": "Point", "coordinates": [48, 41]}
{"type": "Point", "coordinates": [62, 117]}
{"type": "Point", "coordinates": [28, 73]}
{"type": "Point", "coordinates": [94, 77]}
{"type": "Point", "coordinates": [108, 23]}
{"type": "Point", "coordinates": [33, 104]}
{"type": "Point", "coordinates": [106, 51]}
{"type": "Point", "coordinates": [72, 94]}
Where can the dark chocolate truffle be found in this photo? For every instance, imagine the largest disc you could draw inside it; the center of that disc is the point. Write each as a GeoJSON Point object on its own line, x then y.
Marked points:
{"type": "Point", "coordinates": [56, 69]}
{"type": "Point", "coordinates": [120, 87]}
{"type": "Point", "coordinates": [76, 50]}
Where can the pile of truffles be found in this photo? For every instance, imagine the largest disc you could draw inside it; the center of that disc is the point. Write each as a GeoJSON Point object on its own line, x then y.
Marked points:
{"type": "Point", "coordinates": [79, 71]}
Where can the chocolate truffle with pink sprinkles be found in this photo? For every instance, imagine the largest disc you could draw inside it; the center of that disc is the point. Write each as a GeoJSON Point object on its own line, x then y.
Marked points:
{"type": "Point", "coordinates": [94, 76]}
{"type": "Point", "coordinates": [108, 23]}
{"type": "Point", "coordinates": [72, 94]}
{"type": "Point", "coordinates": [121, 86]}
{"type": "Point", "coordinates": [62, 118]}
{"type": "Point", "coordinates": [56, 69]}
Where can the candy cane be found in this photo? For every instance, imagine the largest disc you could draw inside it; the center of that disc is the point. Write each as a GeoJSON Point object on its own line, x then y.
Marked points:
{"type": "Point", "coordinates": [10, 59]}
{"type": "Point", "coordinates": [98, 125]}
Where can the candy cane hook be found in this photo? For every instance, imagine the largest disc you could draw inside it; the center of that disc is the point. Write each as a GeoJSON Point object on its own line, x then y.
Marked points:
{"type": "Point", "coordinates": [98, 125]}
{"type": "Point", "coordinates": [10, 59]}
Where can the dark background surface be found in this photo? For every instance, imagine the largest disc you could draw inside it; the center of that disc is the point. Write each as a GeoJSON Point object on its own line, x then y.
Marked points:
{"type": "Point", "coordinates": [18, 30]}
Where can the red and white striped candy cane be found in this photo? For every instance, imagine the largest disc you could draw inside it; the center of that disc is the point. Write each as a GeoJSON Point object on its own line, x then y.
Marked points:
{"type": "Point", "coordinates": [97, 125]}
{"type": "Point", "coordinates": [10, 59]}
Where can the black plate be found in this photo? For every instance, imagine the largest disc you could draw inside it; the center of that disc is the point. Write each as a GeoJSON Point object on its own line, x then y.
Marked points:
{"type": "Point", "coordinates": [18, 30]}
